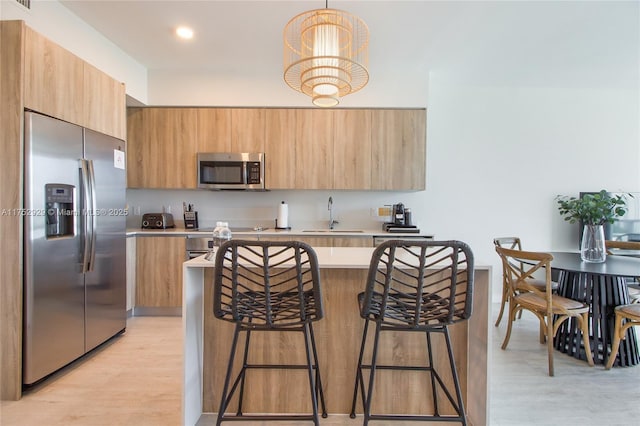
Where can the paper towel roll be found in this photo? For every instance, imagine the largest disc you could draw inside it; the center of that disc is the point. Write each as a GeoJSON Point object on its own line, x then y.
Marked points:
{"type": "Point", "coordinates": [282, 220]}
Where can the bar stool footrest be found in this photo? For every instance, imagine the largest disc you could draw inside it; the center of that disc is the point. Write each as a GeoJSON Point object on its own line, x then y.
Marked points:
{"type": "Point", "coordinates": [274, 417]}
{"type": "Point", "coordinates": [416, 418]}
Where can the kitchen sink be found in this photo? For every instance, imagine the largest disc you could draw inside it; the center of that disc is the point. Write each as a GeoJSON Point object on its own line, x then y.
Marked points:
{"type": "Point", "coordinates": [350, 231]}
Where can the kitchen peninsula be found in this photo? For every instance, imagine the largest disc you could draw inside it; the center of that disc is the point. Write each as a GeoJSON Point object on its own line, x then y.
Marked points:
{"type": "Point", "coordinates": [343, 272]}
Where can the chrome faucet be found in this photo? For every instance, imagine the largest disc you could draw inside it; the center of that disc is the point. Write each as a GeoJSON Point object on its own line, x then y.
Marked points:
{"type": "Point", "coordinates": [332, 222]}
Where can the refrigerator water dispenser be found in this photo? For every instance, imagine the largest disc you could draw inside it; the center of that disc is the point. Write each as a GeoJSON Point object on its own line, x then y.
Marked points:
{"type": "Point", "coordinates": [59, 218]}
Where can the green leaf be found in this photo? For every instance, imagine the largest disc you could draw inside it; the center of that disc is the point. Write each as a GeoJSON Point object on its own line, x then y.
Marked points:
{"type": "Point", "coordinates": [592, 209]}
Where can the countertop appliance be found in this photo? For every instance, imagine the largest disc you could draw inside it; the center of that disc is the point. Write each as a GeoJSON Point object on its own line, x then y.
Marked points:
{"type": "Point", "coordinates": [401, 220]}
{"type": "Point", "coordinates": [190, 216]}
{"type": "Point", "coordinates": [397, 211]}
{"type": "Point", "coordinates": [231, 171]}
{"type": "Point", "coordinates": [74, 243]}
{"type": "Point", "coordinates": [157, 221]}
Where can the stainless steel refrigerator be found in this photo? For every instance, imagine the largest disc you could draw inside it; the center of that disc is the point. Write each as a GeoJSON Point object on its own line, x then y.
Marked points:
{"type": "Point", "coordinates": [74, 247]}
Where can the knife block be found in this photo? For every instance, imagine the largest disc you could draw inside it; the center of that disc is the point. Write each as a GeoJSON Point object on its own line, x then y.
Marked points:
{"type": "Point", "coordinates": [191, 220]}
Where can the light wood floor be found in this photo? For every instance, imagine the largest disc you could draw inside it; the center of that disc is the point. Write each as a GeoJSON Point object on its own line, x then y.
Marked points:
{"type": "Point", "coordinates": [135, 380]}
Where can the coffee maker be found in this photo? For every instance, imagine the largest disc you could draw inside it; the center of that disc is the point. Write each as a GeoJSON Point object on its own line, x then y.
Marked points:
{"type": "Point", "coordinates": [397, 214]}
{"type": "Point", "coordinates": [401, 220]}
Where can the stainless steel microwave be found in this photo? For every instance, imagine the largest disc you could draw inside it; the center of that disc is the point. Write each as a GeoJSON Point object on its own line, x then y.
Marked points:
{"type": "Point", "coordinates": [231, 171]}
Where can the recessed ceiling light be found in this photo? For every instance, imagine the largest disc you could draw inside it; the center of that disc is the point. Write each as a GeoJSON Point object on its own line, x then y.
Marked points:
{"type": "Point", "coordinates": [184, 32]}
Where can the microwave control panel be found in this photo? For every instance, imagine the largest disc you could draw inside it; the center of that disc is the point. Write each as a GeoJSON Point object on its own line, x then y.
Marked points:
{"type": "Point", "coordinates": [253, 172]}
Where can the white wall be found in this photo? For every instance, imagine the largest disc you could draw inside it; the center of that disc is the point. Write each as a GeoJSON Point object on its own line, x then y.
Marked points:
{"type": "Point", "coordinates": [57, 23]}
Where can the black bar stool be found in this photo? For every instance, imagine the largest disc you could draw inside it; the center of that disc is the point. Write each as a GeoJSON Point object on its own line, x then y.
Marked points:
{"type": "Point", "coordinates": [413, 286]}
{"type": "Point", "coordinates": [264, 286]}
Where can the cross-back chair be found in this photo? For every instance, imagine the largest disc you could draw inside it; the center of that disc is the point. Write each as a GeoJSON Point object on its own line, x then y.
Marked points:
{"type": "Point", "coordinates": [514, 243]}
{"type": "Point", "coordinates": [615, 247]}
{"type": "Point", "coordinates": [550, 309]}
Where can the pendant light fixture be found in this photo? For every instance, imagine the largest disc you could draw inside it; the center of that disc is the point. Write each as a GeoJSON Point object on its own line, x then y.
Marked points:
{"type": "Point", "coordinates": [326, 54]}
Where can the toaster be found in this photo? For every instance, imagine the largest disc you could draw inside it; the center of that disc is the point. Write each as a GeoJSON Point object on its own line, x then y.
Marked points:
{"type": "Point", "coordinates": [157, 221]}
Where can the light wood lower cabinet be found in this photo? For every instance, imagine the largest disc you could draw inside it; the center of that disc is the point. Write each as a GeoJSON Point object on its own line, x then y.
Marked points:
{"type": "Point", "coordinates": [315, 241]}
{"type": "Point", "coordinates": [159, 272]}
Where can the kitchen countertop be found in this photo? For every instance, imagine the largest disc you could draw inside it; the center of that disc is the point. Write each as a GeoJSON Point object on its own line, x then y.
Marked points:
{"type": "Point", "coordinates": [311, 232]}
{"type": "Point", "coordinates": [328, 258]}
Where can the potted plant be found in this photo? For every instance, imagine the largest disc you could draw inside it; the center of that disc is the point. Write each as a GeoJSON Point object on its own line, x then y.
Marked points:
{"type": "Point", "coordinates": [593, 211]}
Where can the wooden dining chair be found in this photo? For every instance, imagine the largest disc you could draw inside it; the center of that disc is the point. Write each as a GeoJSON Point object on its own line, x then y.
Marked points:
{"type": "Point", "coordinates": [625, 316]}
{"type": "Point", "coordinates": [623, 248]}
{"type": "Point", "coordinates": [551, 309]}
{"type": "Point", "coordinates": [515, 244]}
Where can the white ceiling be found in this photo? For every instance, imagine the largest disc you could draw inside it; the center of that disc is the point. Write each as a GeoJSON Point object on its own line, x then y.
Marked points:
{"type": "Point", "coordinates": [542, 42]}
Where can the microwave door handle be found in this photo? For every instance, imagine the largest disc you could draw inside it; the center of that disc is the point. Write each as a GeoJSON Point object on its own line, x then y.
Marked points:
{"type": "Point", "coordinates": [86, 197]}
{"type": "Point", "coordinates": [245, 173]}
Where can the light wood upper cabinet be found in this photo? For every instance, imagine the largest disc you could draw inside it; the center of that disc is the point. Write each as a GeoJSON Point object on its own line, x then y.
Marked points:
{"type": "Point", "coordinates": [53, 79]}
{"type": "Point", "coordinates": [358, 149]}
{"type": "Point", "coordinates": [159, 271]}
{"type": "Point", "coordinates": [104, 103]}
{"type": "Point", "coordinates": [60, 84]}
{"type": "Point", "coordinates": [398, 143]}
{"type": "Point", "coordinates": [352, 149]}
{"type": "Point", "coordinates": [247, 129]}
{"type": "Point", "coordinates": [314, 149]}
{"type": "Point", "coordinates": [162, 148]}
{"type": "Point", "coordinates": [214, 130]}
{"type": "Point", "coordinates": [280, 149]}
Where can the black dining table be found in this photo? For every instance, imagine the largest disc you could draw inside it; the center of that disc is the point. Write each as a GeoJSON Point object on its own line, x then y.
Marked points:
{"type": "Point", "coordinates": [602, 286]}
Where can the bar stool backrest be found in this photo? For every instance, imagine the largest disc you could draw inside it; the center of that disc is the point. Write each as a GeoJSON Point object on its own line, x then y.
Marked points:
{"type": "Point", "coordinates": [419, 284]}
{"type": "Point", "coordinates": [267, 284]}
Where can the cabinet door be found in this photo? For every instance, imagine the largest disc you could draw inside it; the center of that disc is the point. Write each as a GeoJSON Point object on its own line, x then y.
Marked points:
{"type": "Point", "coordinates": [352, 241]}
{"type": "Point", "coordinates": [352, 149]}
{"type": "Point", "coordinates": [280, 148]}
{"type": "Point", "coordinates": [398, 149]}
{"type": "Point", "coordinates": [162, 148]}
{"type": "Point", "coordinates": [136, 149]}
{"type": "Point", "coordinates": [247, 129]}
{"type": "Point", "coordinates": [314, 149]}
{"type": "Point", "coordinates": [104, 103]}
{"type": "Point", "coordinates": [53, 79]}
{"type": "Point", "coordinates": [159, 271]}
{"type": "Point", "coordinates": [319, 241]}
{"type": "Point", "coordinates": [214, 130]}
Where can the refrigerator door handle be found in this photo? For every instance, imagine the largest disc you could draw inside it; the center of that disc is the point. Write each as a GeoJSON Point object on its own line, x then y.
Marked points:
{"type": "Point", "coordinates": [94, 212]}
{"type": "Point", "coordinates": [86, 215]}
